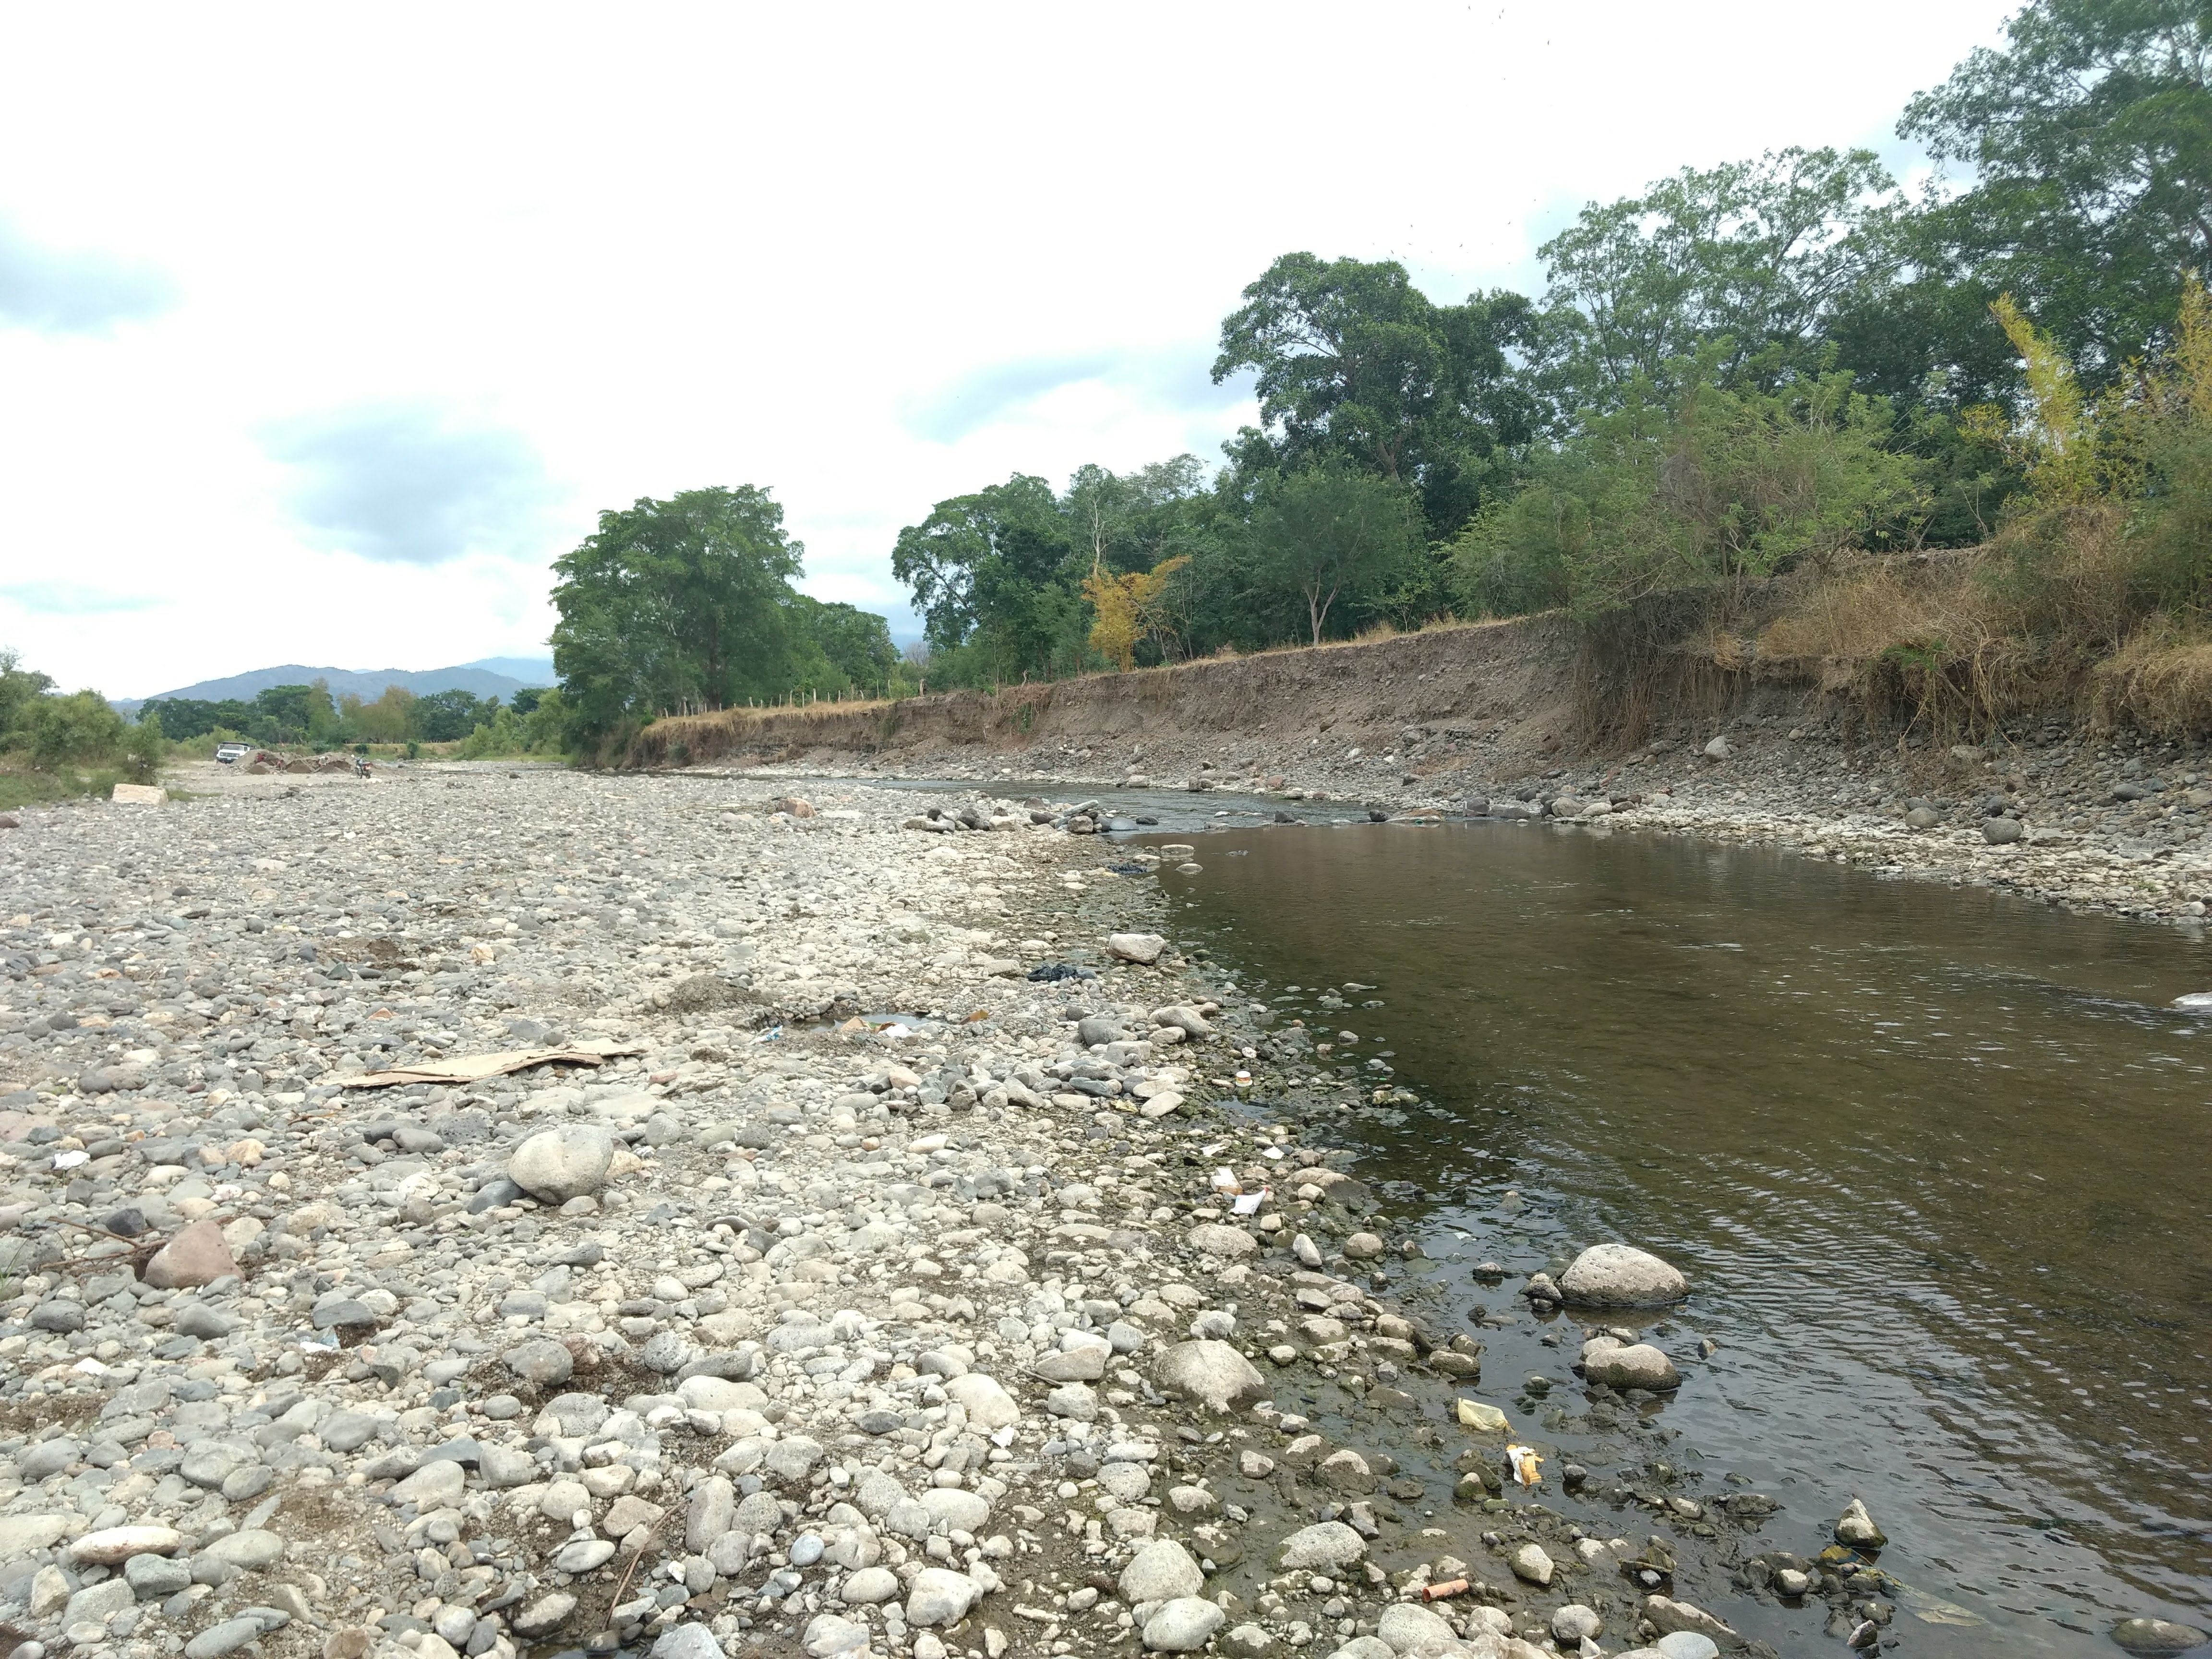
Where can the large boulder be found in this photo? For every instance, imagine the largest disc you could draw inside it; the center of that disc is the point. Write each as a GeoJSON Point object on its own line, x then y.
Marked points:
{"type": "Point", "coordinates": [940, 1596]}
{"type": "Point", "coordinates": [1215, 1238]}
{"type": "Point", "coordinates": [555, 1166]}
{"type": "Point", "coordinates": [1212, 1374]}
{"type": "Point", "coordinates": [1621, 1276]}
{"type": "Point", "coordinates": [1183, 1625]}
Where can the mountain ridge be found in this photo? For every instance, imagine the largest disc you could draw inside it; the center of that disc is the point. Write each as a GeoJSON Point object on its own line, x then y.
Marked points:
{"type": "Point", "coordinates": [487, 677]}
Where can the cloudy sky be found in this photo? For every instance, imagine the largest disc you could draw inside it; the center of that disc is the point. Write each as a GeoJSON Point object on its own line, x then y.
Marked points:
{"type": "Point", "coordinates": [323, 330]}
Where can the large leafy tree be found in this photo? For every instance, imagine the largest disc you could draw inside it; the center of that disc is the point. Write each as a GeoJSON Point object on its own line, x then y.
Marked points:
{"type": "Point", "coordinates": [2090, 134]}
{"type": "Point", "coordinates": [1756, 254]}
{"type": "Point", "coordinates": [1358, 367]}
{"type": "Point", "coordinates": [675, 604]}
{"type": "Point", "coordinates": [1337, 540]}
{"type": "Point", "coordinates": [997, 572]}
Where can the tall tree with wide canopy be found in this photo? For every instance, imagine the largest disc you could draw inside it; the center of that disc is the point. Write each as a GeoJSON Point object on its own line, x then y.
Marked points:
{"type": "Point", "coordinates": [1755, 252]}
{"type": "Point", "coordinates": [2090, 132]}
{"type": "Point", "coordinates": [675, 604]}
{"type": "Point", "coordinates": [1358, 367]}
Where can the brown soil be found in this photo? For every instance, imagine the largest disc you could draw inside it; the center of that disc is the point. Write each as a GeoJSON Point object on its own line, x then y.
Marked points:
{"type": "Point", "coordinates": [1518, 673]}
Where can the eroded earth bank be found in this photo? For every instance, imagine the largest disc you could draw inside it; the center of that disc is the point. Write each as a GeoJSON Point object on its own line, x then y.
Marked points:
{"type": "Point", "coordinates": [778, 1330]}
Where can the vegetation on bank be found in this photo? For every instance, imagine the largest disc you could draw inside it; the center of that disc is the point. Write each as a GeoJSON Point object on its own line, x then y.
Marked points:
{"type": "Point", "coordinates": [1940, 448]}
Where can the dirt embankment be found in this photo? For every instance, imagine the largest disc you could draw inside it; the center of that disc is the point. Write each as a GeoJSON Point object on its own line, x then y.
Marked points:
{"type": "Point", "coordinates": [1504, 687]}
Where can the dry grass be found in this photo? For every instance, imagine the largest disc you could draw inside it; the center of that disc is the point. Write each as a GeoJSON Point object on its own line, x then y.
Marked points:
{"type": "Point", "coordinates": [2161, 680]}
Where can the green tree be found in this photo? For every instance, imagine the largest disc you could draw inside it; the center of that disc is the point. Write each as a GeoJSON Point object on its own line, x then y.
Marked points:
{"type": "Point", "coordinates": [81, 729]}
{"type": "Point", "coordinates": [1358, 367]}
{"type": "Point", "coordinates": [1721, 486]}
{"type": "Point", "coordinates": [1337, 539]}
{"type": "Point", "coordinates": [145, 746]}
{"type": "Point", "coordinates": [994, 576]}
{"type": "Point", "coordinates": [2090, 133]}
{"type": "Point", "coordinates": [847, 649]}
{"type": "Point", "coordinates": [449, 715]}
{"type": "Point", "coordinates": [1730, 273]}
{"type": "Point", "coordinates": [21, 689]}
{"type": "Point", "coordinates": [674, 604]}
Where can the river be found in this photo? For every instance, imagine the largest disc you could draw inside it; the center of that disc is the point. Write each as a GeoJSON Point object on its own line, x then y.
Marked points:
{"type": "Point", "coordinates": [1936, 1161]}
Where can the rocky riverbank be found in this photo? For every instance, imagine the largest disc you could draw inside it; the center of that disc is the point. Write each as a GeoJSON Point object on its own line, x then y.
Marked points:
{"type": "Point", "coordinates": [1044, 1319]}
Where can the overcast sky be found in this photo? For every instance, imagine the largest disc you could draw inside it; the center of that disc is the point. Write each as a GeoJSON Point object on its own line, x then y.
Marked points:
{"type": "Point", "coordinates": [323, 331]}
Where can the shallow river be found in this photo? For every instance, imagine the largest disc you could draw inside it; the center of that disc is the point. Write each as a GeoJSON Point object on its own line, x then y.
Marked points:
{"type": "Point", "coordinates": [1938, 1164]}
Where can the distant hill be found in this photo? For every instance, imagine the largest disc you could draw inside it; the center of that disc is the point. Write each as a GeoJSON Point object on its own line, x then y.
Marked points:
{"type": "Point", "coordinates": [500, 677]}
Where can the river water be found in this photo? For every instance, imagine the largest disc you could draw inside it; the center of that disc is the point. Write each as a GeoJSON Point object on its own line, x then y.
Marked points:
{"type": "Point", "coordinates": [1937, 1163]}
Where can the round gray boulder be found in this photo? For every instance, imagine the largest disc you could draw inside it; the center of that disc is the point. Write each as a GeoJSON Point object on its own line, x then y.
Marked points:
{"type": "Point", "coordinates": [1213, 1374]}
{"type": "Point", "coordinates": [1621, 1276]}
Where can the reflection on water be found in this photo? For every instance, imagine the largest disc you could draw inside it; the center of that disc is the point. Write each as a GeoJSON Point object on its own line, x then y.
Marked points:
{"type": "Point", "coordinates": [1936, 1161]}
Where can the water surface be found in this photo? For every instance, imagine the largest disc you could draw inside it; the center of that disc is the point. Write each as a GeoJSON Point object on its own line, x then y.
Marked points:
{"type": "Point", "coordinates": [1935, 1160]}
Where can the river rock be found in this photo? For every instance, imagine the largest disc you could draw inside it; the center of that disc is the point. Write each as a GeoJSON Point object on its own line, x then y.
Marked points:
{"type": "Point", "coordinates": [869, 1586]}
{"type": "Point", "coordinates": [1160, 1570]}
{"type": "Point", "coordinates": [1213, 1238]}
{"type": "Point", "coordinates": [198, 1255]}
{"type": "Point", "coordinates": [1182, 1625]}
{"type": "Point", "coordinates": [555, 1166]}
{"type": "Point", "coordinates": [1685, 1644]}
{"type": "Point", "coordinates": [2002, 832]}
{"type": "Point", "coordinates": [1325, 1544]}
{"type": "Point", "coordinates": [990, 1405]}
{"type": "Point", "coordinates": [1529, 1562]}
{"type": "Point", "coordinates": [1413, 1629]}
{"type": "Point", "coordinates": [1621, 1276]}
{"type": "Point", "coordinates": [940, 1596]}
{"type": "Point", "coordinates": [1620, 1364]}
{"type": "Point", "coordinates": [1143, 949]}
{"type": "Point", "coordinates": [1923, 817]}
{"type": "Point", "coordinates": [2157, 1635]}
{"type": "Point", "coordinates": [113, 1546]}
{"type": "Point", "coordinates": [1213, 1374]}
{"type": "Point", "coordinates": [686, 1641]}
{"type": "Point", "coordinates": [1575, 1624]}
{"type": "Point", "coordinates": [1857, 1529]}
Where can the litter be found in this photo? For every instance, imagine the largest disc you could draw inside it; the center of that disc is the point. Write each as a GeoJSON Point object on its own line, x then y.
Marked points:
{"type": "Point", "coordinates": [770, 1035]}
{"type": "Point", "coordinates": [1226, 1184]}
{"type": "Point", "coordinates": [1249, 1203]}
{"type": "Point", "coordinates": [1271, 1151]}
{"type": "Point", "coordinates": [1244, 1080]}
{"type": "Point", "coordinates": [1527, 1466]}
{"type": "Point", "coordinates": [71, 1159]}
{"type": "Point", "coordinates": [1476, 1414]}
{"type": "Point", "coordinates": [475, 1068]}
{"type": "Point", "coordinates": [1449, 1588]}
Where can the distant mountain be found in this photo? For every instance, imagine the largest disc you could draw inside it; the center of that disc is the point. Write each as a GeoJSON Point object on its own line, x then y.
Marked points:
{"type": "Point", "coordinates": [489, 677]}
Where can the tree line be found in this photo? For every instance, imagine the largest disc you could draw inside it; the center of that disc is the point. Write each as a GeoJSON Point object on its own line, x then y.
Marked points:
{"type": "Point", "coordinates": [1737, 370]}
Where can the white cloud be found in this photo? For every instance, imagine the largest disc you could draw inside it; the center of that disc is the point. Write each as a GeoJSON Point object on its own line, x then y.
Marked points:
{"type": "Point", "coordinates": [868, 258]}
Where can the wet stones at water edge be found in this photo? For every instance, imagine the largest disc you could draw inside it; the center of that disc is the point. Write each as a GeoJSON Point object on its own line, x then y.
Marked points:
{"type": "Point", "coordinates": [2153, 1636]}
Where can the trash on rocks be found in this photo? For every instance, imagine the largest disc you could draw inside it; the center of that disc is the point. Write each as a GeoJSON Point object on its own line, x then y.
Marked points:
{"type": "Point", "coordinates": [1444, 1591]}
{"type": "Point", "coordinates": [1527, 1467]}
{"type": "Point", "coordinates": [1249, 1203]}
{"type": "Point", "coordinates": [1477, 1414]}
{"type": "Point", "coordinates": [475, 1068]}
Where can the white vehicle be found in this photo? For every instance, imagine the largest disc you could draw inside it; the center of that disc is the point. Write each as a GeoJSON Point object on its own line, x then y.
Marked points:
{"type": "Point", "coordinates": [228, 753]}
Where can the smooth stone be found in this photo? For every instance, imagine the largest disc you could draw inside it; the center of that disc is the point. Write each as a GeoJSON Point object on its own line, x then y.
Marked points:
{"type": "Point", "coordinates": [1410, 1628]}
{"type": "Point", "coordinates": [198, 1255]}
{"type": "Point", "coordinates": [1213, 1238]}
{"type": "Point", "coordinates": [555, 1166]}
{"type": "Point", "coordinates": [2157, 1635]}
{"type": "Point", "coordinates": [1212, 1374]}
{"type": "Point", "coordinates": [869, 1586]}
{"type": "Point", "coordinates": [1325, 1544]}
{"type": "Point", "coordinates": [1144, 949]}
{"type": "Point", "coordinates": [1161, 1571]}
{"type": "Point", "coordinates": [113, 1545]}
{"type": "Point", "coordinates": [940, 1596]}
{"type": "Point", "coordinates": [1621, 1276]}
{"type": "Point", "coordinates": [990, 1405]}
{"type": "Point", "coordinates": [1629, 1365]}
{"type": "Point", "coordinates": [686, 1641]}
{"type": "Point", "coordinates": [432, 1487]}
{"type": "Point", "coordinates": [1182, 1625]}
{"type": "Point", "coordinates": [1686, 1644]}
{"type": "Point", "coordinates": [229, 1636]}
